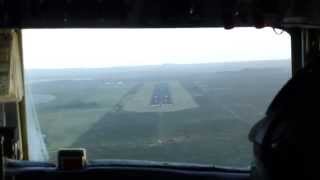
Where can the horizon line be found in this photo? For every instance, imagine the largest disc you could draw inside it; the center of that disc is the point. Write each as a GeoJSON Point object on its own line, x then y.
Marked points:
{"type": "Point", "coordinates": [154, 65]}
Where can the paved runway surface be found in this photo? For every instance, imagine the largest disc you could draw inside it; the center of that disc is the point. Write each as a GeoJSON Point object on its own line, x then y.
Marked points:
{"type": "Point", "coordinates": [161, 95]}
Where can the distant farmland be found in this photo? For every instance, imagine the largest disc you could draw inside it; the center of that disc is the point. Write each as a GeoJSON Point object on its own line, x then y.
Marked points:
{"type": "Point", "coordinates": [196, 113]}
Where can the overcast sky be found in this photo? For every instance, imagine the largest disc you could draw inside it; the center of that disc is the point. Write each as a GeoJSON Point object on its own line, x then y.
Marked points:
{"type": "Point", "coordinates": [91, 48]}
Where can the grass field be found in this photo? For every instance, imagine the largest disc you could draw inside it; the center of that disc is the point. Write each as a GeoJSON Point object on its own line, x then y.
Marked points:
{"type": "Point", "coordinates": [112, 117]}
{"type": "Point", "coordinates": [76, 107]}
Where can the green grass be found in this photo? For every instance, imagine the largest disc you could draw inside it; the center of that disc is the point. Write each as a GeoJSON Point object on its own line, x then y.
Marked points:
{"type": "Point", "coordinates": [214, 133]}
{"type": "Point", "coordinates": [77, 106]}
{"type": "Point", "coordinates": [63, 128]}
{"type": "Point", "coordinates": [208, 122]}
{"type": "Point", "coordinates": [184, 136]}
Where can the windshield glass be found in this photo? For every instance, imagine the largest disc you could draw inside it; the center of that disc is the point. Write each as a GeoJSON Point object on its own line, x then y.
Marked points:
{"type": "Point", "coordinates": [170, 95]}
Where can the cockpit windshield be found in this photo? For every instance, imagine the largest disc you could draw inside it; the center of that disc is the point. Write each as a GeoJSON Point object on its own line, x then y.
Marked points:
{"type": "Point", "coordinates": [186, 95]}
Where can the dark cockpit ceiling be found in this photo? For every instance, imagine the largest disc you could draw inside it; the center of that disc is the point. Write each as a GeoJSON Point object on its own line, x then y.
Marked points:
{"type": "Point", "coordinates": [158, 13]}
